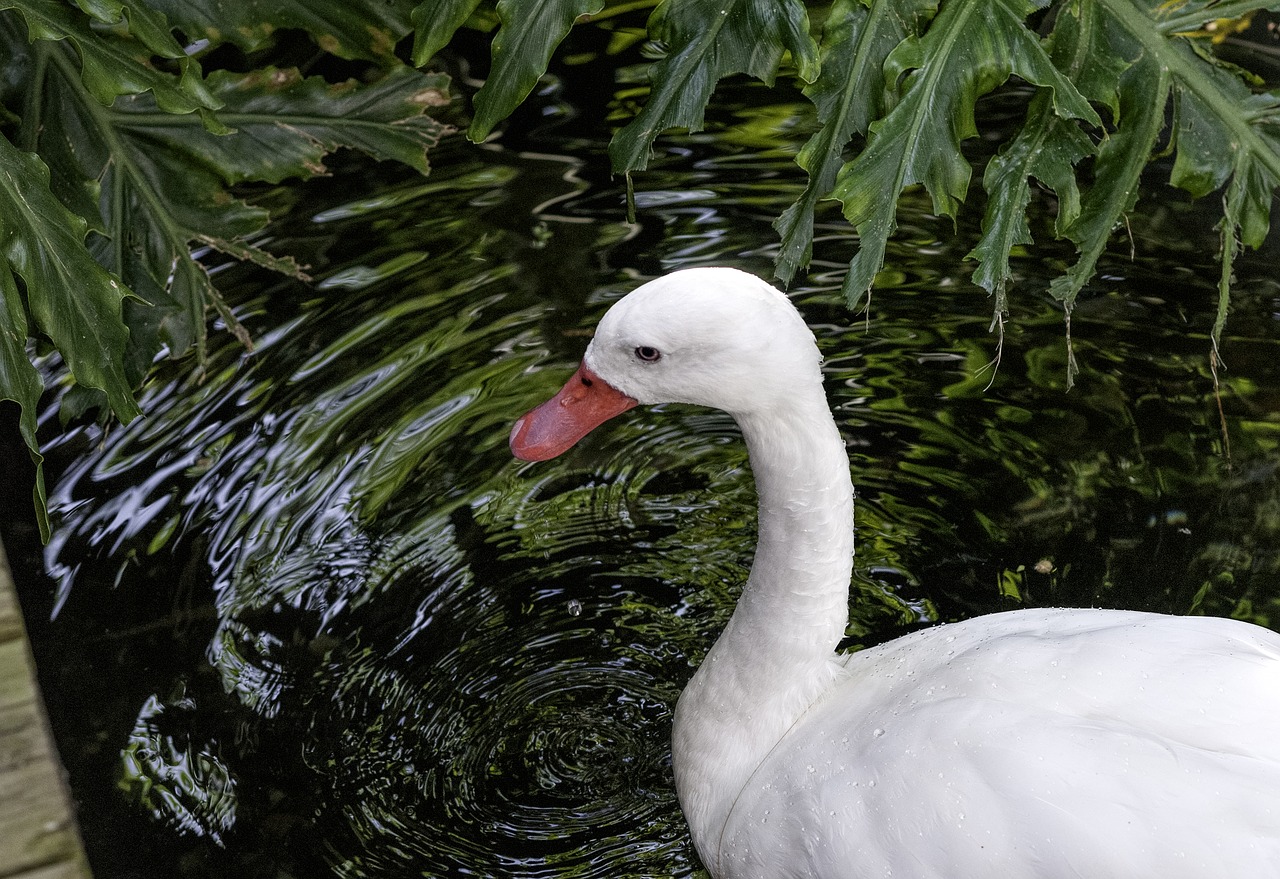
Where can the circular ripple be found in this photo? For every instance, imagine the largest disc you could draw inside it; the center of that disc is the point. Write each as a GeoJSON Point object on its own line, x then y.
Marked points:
{"type": "Point", "coordinates": [545, 745]}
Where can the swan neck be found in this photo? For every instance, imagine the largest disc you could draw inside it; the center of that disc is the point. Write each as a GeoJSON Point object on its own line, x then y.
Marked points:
{"type": "Point", "coordinates": [797, 594]}
{"type": "Point", "coordinates": [776, 655]}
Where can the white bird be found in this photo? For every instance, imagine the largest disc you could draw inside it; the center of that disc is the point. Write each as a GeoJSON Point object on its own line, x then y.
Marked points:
{"type": "Point", "coordinates": [1036, 743]}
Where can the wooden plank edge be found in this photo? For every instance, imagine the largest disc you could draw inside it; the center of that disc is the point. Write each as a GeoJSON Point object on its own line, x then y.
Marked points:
{"type": "Point", "coordinates": [39, 836]}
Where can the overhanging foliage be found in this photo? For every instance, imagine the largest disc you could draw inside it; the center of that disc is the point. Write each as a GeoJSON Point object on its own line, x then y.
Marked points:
{"type": "Point", "coordinates": [121, 153]}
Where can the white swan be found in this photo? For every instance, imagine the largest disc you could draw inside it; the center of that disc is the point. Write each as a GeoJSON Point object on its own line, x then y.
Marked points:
{"type": "Point", "coordinates": [1036, 743]}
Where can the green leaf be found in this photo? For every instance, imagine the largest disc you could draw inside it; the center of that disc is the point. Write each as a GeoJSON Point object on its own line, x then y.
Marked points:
{"type": "Point", "coordinates": [1222, 135]}
{"type": "Point", "coordinates": [709, 40]}
{"type": "Point", "coordinates": [530, 32]}
{"type": "Point", "coordinates": [1246, 206]}
{"type": "Point", "coordinates": [969, 49]}
{"type": "Point", "coordinates": [1117, 178]}
{"type": "Point", "coordinates": [434, 24]}
{"type": "Point", "coordinates": [1047, 147]}
{"type": "Point", "coordinates": [112, 66]}
{"type": "Point", "coordinates": [1223, 130]}
{"type": "Point", "coordinates": [72, 299]}
{"type": "Point", "coordinates": [849, 93]}
{"type": "Point", "coordinates": [1117, 172]}
{"type": "Point", "coordinates": [1257, 171]}
{"type": "Point", "coordinates": [143, 23]}
{"type": "Point", "coordinates": [286, 124]}
{"type": "Point", "coordinates": [246, 252]}
{"type": "Point", "coordinates": [164, 178]}
{"type": "Point", "coordinates": [20, 382]}
{"type": "Point", "coordinates": [351, 29]}
{"type": "Point", "coordinates": [1202, 144]}
{"type": "Point", "coordinates": [1219, 121]}
{"type": "Point", "coordinates": [1087, 46]}
{"type": "Point", "coordinates": [19, 379]}
{"type": "Point", "coordinates": [1192, 15]}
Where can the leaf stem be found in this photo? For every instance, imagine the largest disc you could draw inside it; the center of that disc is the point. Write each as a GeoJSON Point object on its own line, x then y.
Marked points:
{"type": "Point", "coordinates": [1196, 18]}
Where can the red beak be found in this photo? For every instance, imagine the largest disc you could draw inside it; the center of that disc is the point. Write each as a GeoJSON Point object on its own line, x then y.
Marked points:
{"type": "Point", "coordinates": [584, 403]}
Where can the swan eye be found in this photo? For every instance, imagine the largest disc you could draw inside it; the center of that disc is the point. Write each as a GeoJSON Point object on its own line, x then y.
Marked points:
{"type": "Point", "coordinates": [647, 354]}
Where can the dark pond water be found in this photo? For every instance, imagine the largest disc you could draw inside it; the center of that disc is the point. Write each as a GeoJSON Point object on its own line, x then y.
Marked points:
{"type": "Point", "coordinates": [309, 618]}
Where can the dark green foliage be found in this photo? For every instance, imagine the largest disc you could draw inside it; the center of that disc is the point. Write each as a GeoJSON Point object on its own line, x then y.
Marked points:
{"type": "Point", "coordinates": [121, 154]}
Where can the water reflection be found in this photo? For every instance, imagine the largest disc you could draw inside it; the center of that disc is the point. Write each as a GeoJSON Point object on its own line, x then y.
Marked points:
{"type": "Point", "coordinates": [187, 788]}
{"type": "Point", "coordinates": [338, 631]}
{"type": "Point", "coordinates": [389, 607]}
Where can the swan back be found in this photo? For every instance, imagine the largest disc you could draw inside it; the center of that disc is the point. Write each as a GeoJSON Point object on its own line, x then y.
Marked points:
{"type": "Point", "coordinates": [1046, 744]}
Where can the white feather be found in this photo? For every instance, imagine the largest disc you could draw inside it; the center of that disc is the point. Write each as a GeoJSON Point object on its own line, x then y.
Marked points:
{"type": "Point", "coordinates": [1039, 743]}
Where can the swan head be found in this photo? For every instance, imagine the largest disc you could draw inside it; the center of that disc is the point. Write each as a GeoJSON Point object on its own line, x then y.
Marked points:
{"type": "Point", "coordinates": [714, 337]}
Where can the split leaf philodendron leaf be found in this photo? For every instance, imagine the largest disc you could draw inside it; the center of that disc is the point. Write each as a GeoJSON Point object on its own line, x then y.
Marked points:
{"type": "Point", "coordinates": [172, 174]}
{"type": "Point", "coordinates": [112, 65]}
{"type": "Point", "coordinates": [849, 93]}
{"type": "Point", "coordinates": [74, 301]}
{"type": "Point", "coordinates": [144, 24]}
{"type": "Point", "coordinates": [1117, 172]}
{"type": "Point", "coordinates": [967, 51]}
{"type": "Point", "coordinates": [1246, 206]}
{"type": "Point", "coordinates": [1215, 136]}
{"type": "Point", "coordinates": [133, 156]}
{"type": "Point", "coordinates": [708, 40]}
{"type": "Point", "coordinates": [1260, 170]}
{"type": "Point", "coordinates": [285, 124]}
{"type": "Point", "coordinates": [521, 49]}
{"type": "Point", "coordinates": [1047, 148]}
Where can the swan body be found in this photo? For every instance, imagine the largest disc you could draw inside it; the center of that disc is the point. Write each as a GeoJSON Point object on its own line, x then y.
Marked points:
{"type": "Point", "coordinates": [1047, 743]}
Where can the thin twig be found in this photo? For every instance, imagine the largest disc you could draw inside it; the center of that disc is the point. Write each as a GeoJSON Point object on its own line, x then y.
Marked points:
{"type": "Point", "coordinates": [1214, 360]}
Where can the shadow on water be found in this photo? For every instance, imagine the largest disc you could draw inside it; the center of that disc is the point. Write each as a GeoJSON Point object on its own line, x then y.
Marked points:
{"type": "Point", "coordinates": [308, 617]}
